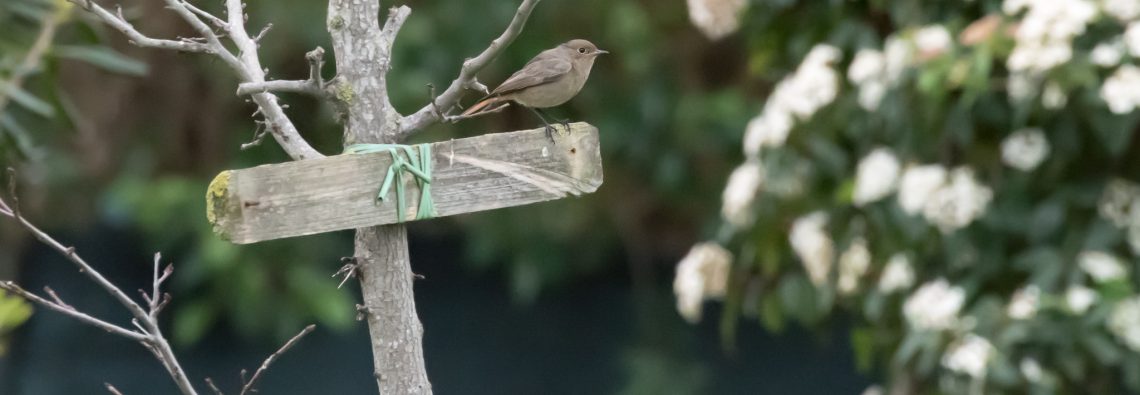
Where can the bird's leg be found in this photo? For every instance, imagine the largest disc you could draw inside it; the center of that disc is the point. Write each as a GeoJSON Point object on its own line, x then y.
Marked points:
{"type": "Point", "coordinates": [549, 129]}
{"type": "Point", "coordinates": [565, 121]}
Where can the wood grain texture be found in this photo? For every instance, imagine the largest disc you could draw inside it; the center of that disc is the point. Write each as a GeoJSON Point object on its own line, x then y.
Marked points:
{"type": "Point", "coordinates": [339, 192]}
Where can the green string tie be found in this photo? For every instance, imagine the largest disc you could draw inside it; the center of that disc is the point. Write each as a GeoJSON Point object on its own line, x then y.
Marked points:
{"type": "Point", "coordinates": [418, 165]}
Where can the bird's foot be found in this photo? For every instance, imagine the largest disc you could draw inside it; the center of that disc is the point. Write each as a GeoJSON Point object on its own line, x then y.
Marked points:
{"type": "Point", "coordinates": [550, 132]}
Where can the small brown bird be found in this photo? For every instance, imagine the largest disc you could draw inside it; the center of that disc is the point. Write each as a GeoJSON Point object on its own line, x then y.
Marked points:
{"type": "Point", "coordinates": [550, 79]}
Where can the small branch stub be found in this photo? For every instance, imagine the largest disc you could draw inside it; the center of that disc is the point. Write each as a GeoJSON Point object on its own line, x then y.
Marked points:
{"type": "Point", "coordinates": [339, 192]}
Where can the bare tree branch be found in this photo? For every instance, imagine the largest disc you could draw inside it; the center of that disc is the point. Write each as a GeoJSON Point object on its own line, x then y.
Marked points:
{"type": "Point", "coordinates": [466, 79]}
{"type": "Point", "coordinates": [314, 86]}
{"type": "Point", "coordinates": [273, 357]}
{"type": "Point", "coordinates": [149, 334]}
{"type": "Point", "coordinates": [116, 21]}
{"type": "Point", "coordinates": [112, 389]}
{"type": "Point", "coordinates": [71, 312]}
{"type": "Point", "coordinates": [213, 387]}
{"type": "Point", "coordinates": [246, 63]}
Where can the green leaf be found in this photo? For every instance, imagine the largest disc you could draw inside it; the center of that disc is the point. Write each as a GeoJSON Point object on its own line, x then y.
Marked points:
{"type": "Point", "coordinates": [13, 311]}
{"type": "Point", "coordinates": [27, 100]}
{"type": "Point", "coordinates": [863, 345]}
{"type": "Point", "coordinates": [102, 57]}
{"type": "Point", "coordinates": [1102, 348]}
{"type": "Point", "coordinates": [770, 314]}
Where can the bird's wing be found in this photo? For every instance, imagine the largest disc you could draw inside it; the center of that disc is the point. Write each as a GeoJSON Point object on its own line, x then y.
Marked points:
{"type": "Point", "coordinates": [537, 72]}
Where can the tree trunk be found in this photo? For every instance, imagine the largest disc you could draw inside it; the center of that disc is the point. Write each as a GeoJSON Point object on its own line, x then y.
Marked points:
{"type": "Point", "coordinates": [386, 280]}
{"type": "Point", "coordinates": [363, 50]}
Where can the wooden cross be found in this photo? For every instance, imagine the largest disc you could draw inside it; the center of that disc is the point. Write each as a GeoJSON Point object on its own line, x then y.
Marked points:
{"type": "Point", "coordinates": [340, 192]}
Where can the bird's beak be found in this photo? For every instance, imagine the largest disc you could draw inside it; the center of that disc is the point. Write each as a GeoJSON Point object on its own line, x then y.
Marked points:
{"type": "Point", "coordinates": [601, 51]}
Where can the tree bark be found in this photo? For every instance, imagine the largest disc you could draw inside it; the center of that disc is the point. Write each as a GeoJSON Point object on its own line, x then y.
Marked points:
{"type": "Point", "coordinates": [397, 335]}
{"type": "Point", "coordinates": [363, 50]}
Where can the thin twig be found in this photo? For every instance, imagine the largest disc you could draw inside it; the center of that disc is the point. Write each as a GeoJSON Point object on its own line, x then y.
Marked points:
{"type": "Point", "coordinates": [71, 312]}
{"type": "Point", "coordinates": [466, 79]}
{"type": "Point", "coordinates": [273, 357]}
{"type": "Point", "coordinates": [149, 333]}
{"type": "Point", "coordinates": [205, 15]}
{"type": "Point", "coordinates": [350, 270]}
{"type": "Point", "coordinates": [443, 116]}
{"type": "Point", "coordinates": [260, 35]}
{"type": "Point", "coordinates": [112, 389]}
{"type": "Point", "coordinates": [213, 387]}
{"type": "Point", "coordinates": [133, 35]}
{"type": "Point", "coordinates": [259, 133]}
{"type": "Point", "coordinates": [245, 63]}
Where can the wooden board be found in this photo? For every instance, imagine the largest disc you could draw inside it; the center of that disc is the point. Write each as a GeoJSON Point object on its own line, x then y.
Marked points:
{"type": "Point", "coordinates": [339, 192]}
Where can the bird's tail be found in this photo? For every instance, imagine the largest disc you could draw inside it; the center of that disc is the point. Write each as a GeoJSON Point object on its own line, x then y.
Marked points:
{"type": "Point", "coordinates": [481, 105]}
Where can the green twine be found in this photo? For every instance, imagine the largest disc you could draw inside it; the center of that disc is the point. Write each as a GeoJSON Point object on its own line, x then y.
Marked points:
{"type": "Point", "coordinates": [418, 165]}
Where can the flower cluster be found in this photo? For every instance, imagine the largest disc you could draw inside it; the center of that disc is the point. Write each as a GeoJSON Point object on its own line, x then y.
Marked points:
{"type": "Point", "coordinates": [703, 274]}
{"type": "Point", "coordinates": [1046, 32]}
{"type": "Point", "coordinates": [934, 306]}
{"type": "Point", "coordinates": [1125, 322]}
{"type": "Point", "coordinates": [969, 356]}
{"type": "Point", "coordinates": [1025, 149]}
{"type": "Point", "coordinates": [813, 245]}
{"type": "Point", "coordinates": [740, 192]}
{"type": "Point", "coordinates": [814, 84]}
{"type": "Point", "coordinates": [874, 71]}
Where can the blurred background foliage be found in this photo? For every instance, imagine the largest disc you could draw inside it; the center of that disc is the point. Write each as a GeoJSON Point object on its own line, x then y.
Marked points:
{"type": "Point", "coordinates": [103, 132]}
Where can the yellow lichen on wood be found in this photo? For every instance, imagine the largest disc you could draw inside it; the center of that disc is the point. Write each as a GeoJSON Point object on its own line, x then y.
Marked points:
{"type": "Point", "coordinates": [216, 196]}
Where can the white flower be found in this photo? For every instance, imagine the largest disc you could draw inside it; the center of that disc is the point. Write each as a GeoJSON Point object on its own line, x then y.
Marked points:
{"type": "Point", "coordinates": [1125, 322]}
{"type": "Point", "coordinates": [1079, 298]}
{"type": "Point", "coordinates": [769, 129]}
{"type": "Point", "coordinates": [1039, 57]}
{"type": "Point", "coordinates": [1118, 203]}
{"type": "Point", "coordinates": [716, 18]}
{"type": "Point", "coordinates": [871, 95]}
{"type": "Point", "coordinates": [868, 64]}
{"type": "Point", "coordinates": [701, 275]}
{"type": "Point", "coordinates": [1021, 86]}
{"type": "Point", "coordinates": [934, 306]}
{"type": "Point", "coordinates": [897, 275]}
{"type": "Point", "coordinates": [1101, 266]}
{"type": "Point", "coordinates": [874, 390]}
{"type": "Point", "coordinates": [1025, 149]}
{"type": "Point", "coordinates": [814, 84]}
{"type": "Point", "coordinates": [1107, 54]}
{"type": "Point", "coordinates": [899, 54]}
{"type": "Point", "coordinates": [1121, 90]}
{"type": "Point", "coordinates": [1031, 369]}
{"type": "Point", "coordinates": [1024, 303]}
{"type": "Point", "coordinates": [917, 184]}
{"type": "Point", "coordinates": [814, 247]}
{"type": "Point", "coordinates": [959, 202]}
{"type": "Point", "coordinates": [876, 176]}
{"type": "Point", "coordinates": [1124, 10]}
{"type": "Point", "coordinates": [1012, 7]}
{"type": "Point", "coordinates": [853, 264]}
{"type": "Point", "coordinates": [1132, 38]}
{"type": "Point", "coordinates": [1054, 97]}
{"type": "Point", "coordinates": [1045, 34]}
{"type": "Point", "coordinates": [969, 356]}
{"type": "Point", "coordinates": [740, 192]}
{"type": "Point", "coordinates": [932, 40]}
{"type": "Point", "coordinates": [869, 71]}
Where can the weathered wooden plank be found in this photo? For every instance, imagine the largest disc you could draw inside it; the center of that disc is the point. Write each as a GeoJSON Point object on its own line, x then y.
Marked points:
{"type": "Point", "coordinates": [339, 192]}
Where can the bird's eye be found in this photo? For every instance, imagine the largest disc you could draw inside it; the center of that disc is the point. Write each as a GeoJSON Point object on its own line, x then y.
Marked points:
{"type": "Point", "coordinates": [582, 50]}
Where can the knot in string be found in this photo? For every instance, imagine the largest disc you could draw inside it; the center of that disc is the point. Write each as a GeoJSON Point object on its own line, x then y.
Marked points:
{"type": "Point", "coordinates": [416, 164]}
